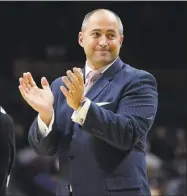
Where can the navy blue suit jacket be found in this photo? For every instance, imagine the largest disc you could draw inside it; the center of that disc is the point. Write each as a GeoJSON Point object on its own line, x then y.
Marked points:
{"type": "Point", "coordinates": [105, 156]}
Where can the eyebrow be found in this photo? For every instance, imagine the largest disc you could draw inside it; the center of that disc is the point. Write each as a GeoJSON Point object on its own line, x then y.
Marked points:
{"type": "Point", "coordinates": [109, 30]}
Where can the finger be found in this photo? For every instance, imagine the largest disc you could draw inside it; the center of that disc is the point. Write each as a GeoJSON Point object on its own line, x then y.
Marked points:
{"type": "Point", "coordinates": [22, 81]}
{"type": "Point", "coordinates": [24, 86]}
{"type": "Point", "coordinates": [45, 83]}
{"type": "Point", "coordinates": [79, 75]}
{"type": "Point", "coordinates": [29, 87]}
{"type": "Point", "coordinates": [66, 93]}
{"type": "Point", "coordinates": [73, 78]}
{"type": "Point", "coordinates": [24, 93]}
{"type": "Point", "coordinates": [80, 70]}
{"type": "Point", "coordinates": [69, 85]}
{"type": "Point", "coordinates": [25, 78]}
{"type": "Point", "coordinates": [31, 80]}
{"type": "Point", "coordinates": [27, 81]}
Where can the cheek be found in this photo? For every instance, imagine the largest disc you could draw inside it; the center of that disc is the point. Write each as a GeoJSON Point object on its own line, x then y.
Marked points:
{"type": "Point", "coordinates": [115, 47]}
{"type": "Point", "coordinates": [91, 46]}
{"type": "Point", "coordinates": [94, 44]}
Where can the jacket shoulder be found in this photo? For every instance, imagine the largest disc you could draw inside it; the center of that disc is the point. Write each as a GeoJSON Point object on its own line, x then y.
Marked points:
{"type": "Point", "coordinates": [135, 73]}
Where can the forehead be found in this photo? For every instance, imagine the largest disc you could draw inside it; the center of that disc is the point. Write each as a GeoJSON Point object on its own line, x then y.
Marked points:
{"type": "Point", "coordinates": [102, 21]}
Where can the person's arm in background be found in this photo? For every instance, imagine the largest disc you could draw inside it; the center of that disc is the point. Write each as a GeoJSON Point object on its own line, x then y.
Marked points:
{"type": "Point", "coordinates": [7, 149]}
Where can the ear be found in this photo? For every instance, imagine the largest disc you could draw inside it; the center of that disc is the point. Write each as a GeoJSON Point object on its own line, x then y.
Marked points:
{"type": "Point", "coordinates": [121, 39]}
{"type": "Point", "coordinates": [80, 39]}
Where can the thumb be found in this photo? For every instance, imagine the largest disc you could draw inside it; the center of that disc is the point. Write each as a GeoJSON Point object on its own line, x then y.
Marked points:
{"type": "Point", "coordinates": [45, 83]}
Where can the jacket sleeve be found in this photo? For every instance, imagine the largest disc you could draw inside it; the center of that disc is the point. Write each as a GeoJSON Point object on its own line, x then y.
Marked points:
{"type": "Point", "coordinates": [7, 149]}
{"type": "Point", "coordinates": [44, 145]}
{"type": "Point", "coordinates": [134, 116]}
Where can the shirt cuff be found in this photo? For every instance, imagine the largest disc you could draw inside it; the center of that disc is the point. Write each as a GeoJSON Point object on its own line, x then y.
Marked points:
{"type": "Point", "coordinates": [44, 130]}
{"type": "Point", "coordinates": [79, 116]}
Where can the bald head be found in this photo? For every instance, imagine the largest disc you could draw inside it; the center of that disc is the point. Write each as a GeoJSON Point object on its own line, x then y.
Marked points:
{"type": "Point", "coordinates": [102, 13]}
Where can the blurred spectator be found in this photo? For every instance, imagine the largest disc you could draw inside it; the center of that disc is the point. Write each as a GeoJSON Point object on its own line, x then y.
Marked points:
{"type": "Point", "coordinates": [161, 144]}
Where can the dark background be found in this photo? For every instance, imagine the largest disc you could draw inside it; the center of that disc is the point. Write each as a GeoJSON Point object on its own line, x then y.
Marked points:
{"type": "Point", "coordinates": [155, 32]}
{"type": "Point", "coordinates": [41, 37]}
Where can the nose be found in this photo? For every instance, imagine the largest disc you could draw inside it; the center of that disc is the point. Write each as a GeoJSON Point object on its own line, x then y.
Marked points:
{"type": "Point", "coordinates": [103, 42]}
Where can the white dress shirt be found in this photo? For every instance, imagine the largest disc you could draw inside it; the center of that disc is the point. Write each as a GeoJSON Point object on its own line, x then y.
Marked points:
{"type": "Point", "coordinates": [79, 115]}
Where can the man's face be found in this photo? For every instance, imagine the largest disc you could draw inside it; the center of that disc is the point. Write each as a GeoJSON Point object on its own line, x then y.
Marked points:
{"type": "Point", "coordinates": [101, 39]}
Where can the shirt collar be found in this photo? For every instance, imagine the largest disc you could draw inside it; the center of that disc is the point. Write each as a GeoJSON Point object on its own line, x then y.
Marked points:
{"type": "Point", "coordinates": [102, 69]}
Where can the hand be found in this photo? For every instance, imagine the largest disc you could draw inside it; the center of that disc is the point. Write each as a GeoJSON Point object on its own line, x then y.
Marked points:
{"type": "Point", "coordinates": [39, 99]}
{"type": "Point", "coordinates": [75, 85]}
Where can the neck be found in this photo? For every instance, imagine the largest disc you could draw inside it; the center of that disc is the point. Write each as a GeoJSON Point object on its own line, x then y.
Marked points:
{"type": "Point", "coordinates": [97, 66]}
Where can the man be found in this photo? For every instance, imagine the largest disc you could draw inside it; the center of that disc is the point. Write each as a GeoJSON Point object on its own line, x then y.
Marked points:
{"type": "Point", "coordinates": [7, 149]}
{"type": "Point", "coordinates": [99, 132]}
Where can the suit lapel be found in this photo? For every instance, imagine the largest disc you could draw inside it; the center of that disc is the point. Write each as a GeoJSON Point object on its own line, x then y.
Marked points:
{"type": "Point", "coordinates": [83, 71]}
{"type": "Point", "coordinates": [105, 79]}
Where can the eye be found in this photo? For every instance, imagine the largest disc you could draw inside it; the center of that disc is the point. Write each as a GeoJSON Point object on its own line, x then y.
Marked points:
{"type": "Point", "coordinates": [95, 34]}
{"type": "Point", "coordinates": [111, 36]}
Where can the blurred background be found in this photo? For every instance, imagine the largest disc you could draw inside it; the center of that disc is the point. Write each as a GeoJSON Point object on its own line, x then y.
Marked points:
{"type": "Point", "coordinates": [41, 37]}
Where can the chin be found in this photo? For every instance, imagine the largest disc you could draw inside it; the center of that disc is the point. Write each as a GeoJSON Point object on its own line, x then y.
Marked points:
{"type": "Point", "coordinates": [102, 60]}
{"type": "Point", "coordinates": [106, 60]}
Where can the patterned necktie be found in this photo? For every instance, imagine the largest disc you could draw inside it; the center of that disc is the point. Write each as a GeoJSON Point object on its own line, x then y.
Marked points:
{"type": "Point", "coordinates": [91, 78]}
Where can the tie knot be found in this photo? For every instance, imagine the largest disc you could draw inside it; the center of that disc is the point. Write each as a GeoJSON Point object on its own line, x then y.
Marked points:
{"type": "Point", "coordinates": [93, 75]}
{"type": "Point", "coordinates": [91, 78]}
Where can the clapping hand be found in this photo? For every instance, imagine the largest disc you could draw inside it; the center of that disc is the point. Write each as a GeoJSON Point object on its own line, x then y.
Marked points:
{"type": "Point", "coordinates": [40, 99]}
{"type": "Point", "coordinates": [75, 87]}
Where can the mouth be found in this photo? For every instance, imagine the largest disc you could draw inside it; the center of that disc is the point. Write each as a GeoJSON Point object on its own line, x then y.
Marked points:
{"type": "Point", "coordinates": [103, 51]}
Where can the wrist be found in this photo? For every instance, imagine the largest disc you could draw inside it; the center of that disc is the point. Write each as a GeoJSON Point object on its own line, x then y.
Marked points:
{"type": "Point", "coordinates": [81, 103]}
{"type": "Point", "coordinates": [47, 116]}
